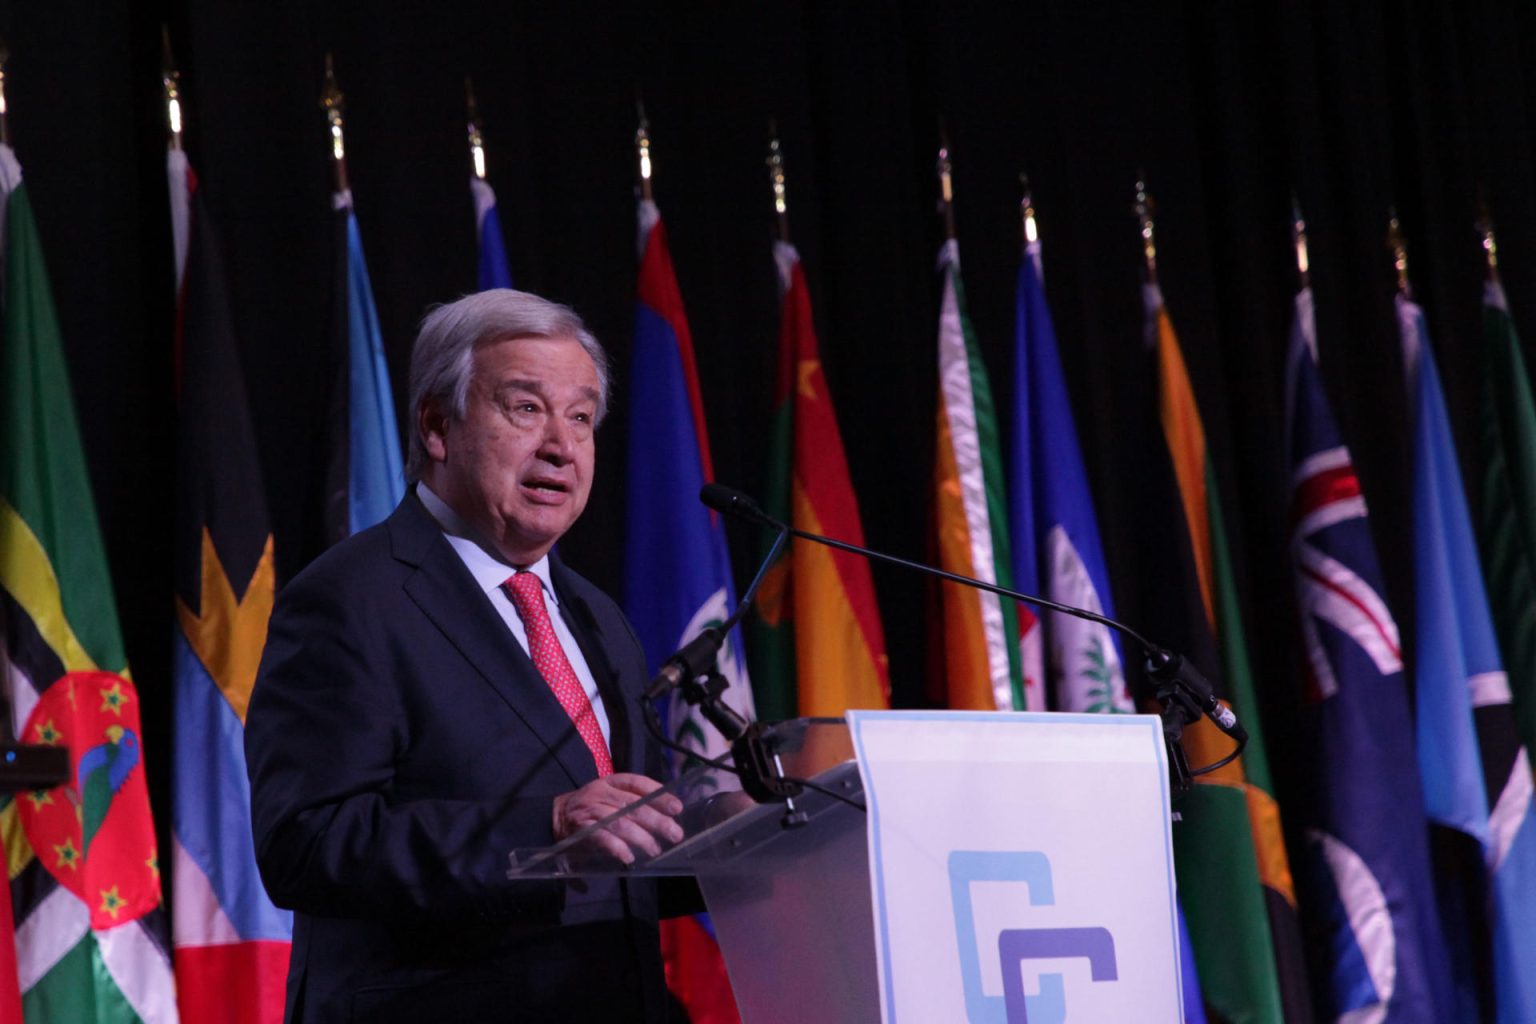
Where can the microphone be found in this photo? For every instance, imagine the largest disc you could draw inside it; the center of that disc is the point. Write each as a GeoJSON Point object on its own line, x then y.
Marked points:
{"type": "Point", "coordinates": [1170, 671]}
{"type": "Point", "coordinates": [697, 656]}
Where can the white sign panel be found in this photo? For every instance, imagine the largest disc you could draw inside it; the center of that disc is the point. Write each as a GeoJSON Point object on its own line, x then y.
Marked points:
{"type": "Point", "coordinates": [1021, 866]}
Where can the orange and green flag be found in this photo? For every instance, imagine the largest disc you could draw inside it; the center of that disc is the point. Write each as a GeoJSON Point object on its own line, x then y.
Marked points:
{"type": "Point", "coordinates": [982, 663]}
{"type": "Point", "coordinates": [1236, 882]}
{"type": "Point", "coordinates": [81, 861]}
{"type": "Point", "coordinates": [819, 648]}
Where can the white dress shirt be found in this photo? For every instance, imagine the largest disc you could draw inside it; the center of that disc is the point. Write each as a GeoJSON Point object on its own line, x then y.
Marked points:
{"type": "Point", "coordinates": [490, 571]}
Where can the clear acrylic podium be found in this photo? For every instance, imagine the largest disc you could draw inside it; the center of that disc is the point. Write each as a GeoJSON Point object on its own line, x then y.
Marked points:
{"type": "Point", "coordinates": [787, 885]}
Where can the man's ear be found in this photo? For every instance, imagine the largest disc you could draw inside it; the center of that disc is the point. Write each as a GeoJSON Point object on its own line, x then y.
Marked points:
{"type": "Point", "coordinates": [432, 423]}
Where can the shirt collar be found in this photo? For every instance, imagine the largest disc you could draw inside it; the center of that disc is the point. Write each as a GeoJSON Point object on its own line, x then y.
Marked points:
{"type": "Point", "coordinates": [488, 568]}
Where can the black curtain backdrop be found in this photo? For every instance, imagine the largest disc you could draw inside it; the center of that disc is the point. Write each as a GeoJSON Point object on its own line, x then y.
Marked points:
{"type": "Point", "coordinates": [1228, 108]}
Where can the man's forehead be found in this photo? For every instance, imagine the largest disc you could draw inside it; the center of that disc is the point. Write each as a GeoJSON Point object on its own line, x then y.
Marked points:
{"type": "Point", "coordinates": [533, 356]}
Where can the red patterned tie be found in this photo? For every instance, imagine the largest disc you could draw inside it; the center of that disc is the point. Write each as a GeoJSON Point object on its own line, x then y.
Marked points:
{"type": "Point", "coordinates": [527, 593]}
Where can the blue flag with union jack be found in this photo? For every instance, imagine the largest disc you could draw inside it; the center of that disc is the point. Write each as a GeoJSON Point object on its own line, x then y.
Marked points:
{"type": "Point", "coordinates": [1476, 773]}
{"type": "Point", "coordinates": [1366, 868]}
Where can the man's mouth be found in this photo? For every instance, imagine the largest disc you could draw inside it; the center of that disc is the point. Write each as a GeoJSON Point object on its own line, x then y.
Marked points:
{"type": "Point", "coordinates": [545, 486]}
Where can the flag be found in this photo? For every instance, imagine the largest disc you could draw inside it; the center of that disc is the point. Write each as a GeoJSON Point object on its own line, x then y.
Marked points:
{"type": "Point", "coordinates": [677, 570]}
{"type": "Point", "coordinates": [1507, 529]}
{"type": "Point", "coordinates": [1056, 548]}
{"type": "Point", "coordinates": [983, 635]}
{"type": "Point", "coordinates": [366, 477]}
{"type": "Point", "coordinates": [817, 608]}
{"type": "Point", "coordinates": [1475, 772]}
{"type": "Point", "coordinates": [231, 943]}
{"type": "Point", "coordinates": [82, 864]}
{"type": "Point", "coordinates": [1366, 871]}
{"type": "Point", "coordinates": [495, 271]}
{"type": "Point", "coordinates": [1246, 934]}
{"type": "Point", "coordinates": [1055, 533]}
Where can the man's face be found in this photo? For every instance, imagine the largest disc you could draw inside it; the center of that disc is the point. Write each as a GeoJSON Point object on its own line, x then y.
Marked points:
{"type": "Point", "coordinates": [518, 467]}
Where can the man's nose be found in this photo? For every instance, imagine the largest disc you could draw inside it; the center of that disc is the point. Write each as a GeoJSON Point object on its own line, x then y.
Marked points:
{"type": "Point", "coordinates": [558, 444]}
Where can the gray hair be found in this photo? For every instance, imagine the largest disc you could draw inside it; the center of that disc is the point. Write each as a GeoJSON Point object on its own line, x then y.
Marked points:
{"type": "Point", "coordinates": [442, 356]}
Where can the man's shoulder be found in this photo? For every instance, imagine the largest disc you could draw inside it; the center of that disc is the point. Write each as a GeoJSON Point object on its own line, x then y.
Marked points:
{"type": "Point", "coordinates": [392, 547]}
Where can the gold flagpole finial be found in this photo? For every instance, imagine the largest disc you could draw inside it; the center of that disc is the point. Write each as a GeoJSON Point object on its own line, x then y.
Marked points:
{"type": "Point", "coordinates": [1027, 211]}
{"type": "Point", "coordinates": [170, 79]}
{"type": "Point", "coordinates": [643, 149]}
{"type": "Point", "coordinates": [1299, 239]}
{"type": "Point", "coordinates": [1490, 246]}
{"type": "Point", "coordinates": [946, 184]}
{"type": "Point", "coordinates": [5, 119]}
{"type": "Point", "coordinates": [776, 179]}
{"type": "Point", "coordinates": [476, 129]}
{"type": "Point", "coordinates": [1398, 246]}
{"type": "Point", "coordinates": [334, 103]}
{"type": "Point", "coordinates": [1145, 207]}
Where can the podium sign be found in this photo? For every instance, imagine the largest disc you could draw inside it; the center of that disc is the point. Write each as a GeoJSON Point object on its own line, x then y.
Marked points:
{"type": "Point", "coordinates": [1021, 866]}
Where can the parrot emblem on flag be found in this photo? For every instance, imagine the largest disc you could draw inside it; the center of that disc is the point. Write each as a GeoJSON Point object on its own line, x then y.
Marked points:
{"type": "Point", "coordinates": [94, 833]}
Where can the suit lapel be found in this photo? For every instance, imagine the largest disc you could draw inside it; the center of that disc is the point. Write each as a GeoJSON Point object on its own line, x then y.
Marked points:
{"type": "Point", "coordinates": [449, 597]}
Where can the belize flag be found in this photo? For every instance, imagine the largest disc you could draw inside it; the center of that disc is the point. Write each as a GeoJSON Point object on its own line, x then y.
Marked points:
{"type": "Point", "coordinates": [1056, 549]}
{"type": "Point", "coordinates": [677, 571]}
{"type": "Point", "coordinates": [495, 271]}
{"type": "Point", "coordinates": [1366, 867]}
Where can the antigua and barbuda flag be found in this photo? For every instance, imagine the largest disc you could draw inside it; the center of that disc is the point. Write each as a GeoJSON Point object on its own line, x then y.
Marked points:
{"type": "Point", "coordinates": [366, 475]}
{"type": "Point", "coordinates": [984, 637]}
{"type": "Point", "coordinates": [1475, 772]}
{"type": "Point", "coordinates": [231, 943]}
{"type": "Point", "coordinates": [819, 648]}
{"type": "Point", "coordinates": [495, 271]}
{"type": "Point", "coordinates": [1365, 872]}
{"type": "Point", "coordinates": [81, 860]}
{"type": "Point", "coordinates": [1055, 533]}
{"type": "Point", "coordinates": [677, 570]}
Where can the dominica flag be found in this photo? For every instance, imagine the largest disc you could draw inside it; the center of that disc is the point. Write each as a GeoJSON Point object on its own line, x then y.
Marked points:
{"type": "Point", "coordinates": [366, 475]}
{"type": "Point", "coordinates": [495, 271]}
{"type": "Point", "coordinates": [81, 860]}
{"type": "Point", "coordinates": [1246, 935]}
{"type": "Point", "coordinates": [1366, 871]}
{"type": "Point", "coordinates": [820, 648]}
{"type": "Point", "coordinates": [1475, 772]}
{"type": "Point", "coordinates": [1055, 533]}
{"type": "Point", "coordinates": [1507, 529]}
{"type": "Point", "coordinates": [984, 637]}
{"type": "Point", "coordinates": [677, 570]}
{"type": "Point", "coordinates": [231, 943]}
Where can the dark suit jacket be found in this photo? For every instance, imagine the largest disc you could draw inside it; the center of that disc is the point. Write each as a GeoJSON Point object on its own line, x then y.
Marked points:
{"type": "Point", "coordinates": [400, 743]}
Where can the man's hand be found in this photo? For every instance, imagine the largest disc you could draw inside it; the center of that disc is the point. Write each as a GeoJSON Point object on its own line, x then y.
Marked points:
{"type": "Point", "coordinates": [648, 829]}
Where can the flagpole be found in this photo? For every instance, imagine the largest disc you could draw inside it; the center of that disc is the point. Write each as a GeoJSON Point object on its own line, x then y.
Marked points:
{"type": "Point", "coordinates": [333, 102]}
{"type": "Point", "coordinates": [5, 121]}
{"type": "Point", "coordinates": [476, 129]}
{"type": "Point", "coordinates": [170, 80]}
{"type": "Point", "coordinates": [1398, 246]}
{"type": "Point", "coordinates": [946, 185]}
{"type": "Point", "coordinates": [776, 178]}
{"type": "Point", "coordinates": [1145, 206]}
{"type": "Point", "coordinates": [1490, 246]}
{"type": "Point", "coordinates": [1299, 240]}
{"type": "Point", "coordinates": [1027, 223]}
{"type": "Point", "coordinates": [643, 150]}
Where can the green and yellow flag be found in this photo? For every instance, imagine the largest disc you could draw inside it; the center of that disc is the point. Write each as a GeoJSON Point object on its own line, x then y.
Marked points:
{"type": "Point", "coordinates": [81, 860]}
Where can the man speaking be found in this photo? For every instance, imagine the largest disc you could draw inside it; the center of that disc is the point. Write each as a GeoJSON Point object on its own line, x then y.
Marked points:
{"type": "Point", "coordinates": [439, 690]}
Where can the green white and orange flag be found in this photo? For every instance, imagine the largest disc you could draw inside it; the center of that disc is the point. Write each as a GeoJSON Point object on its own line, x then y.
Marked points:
{"type": "Point", "coordinates": [819, 647]}
{"type": "Point", "coordinates": [982, 665]}
{"type": "Point", "coordinates": [81, 859]}
{"type": "Point", "coordinates": [1247, 938]}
